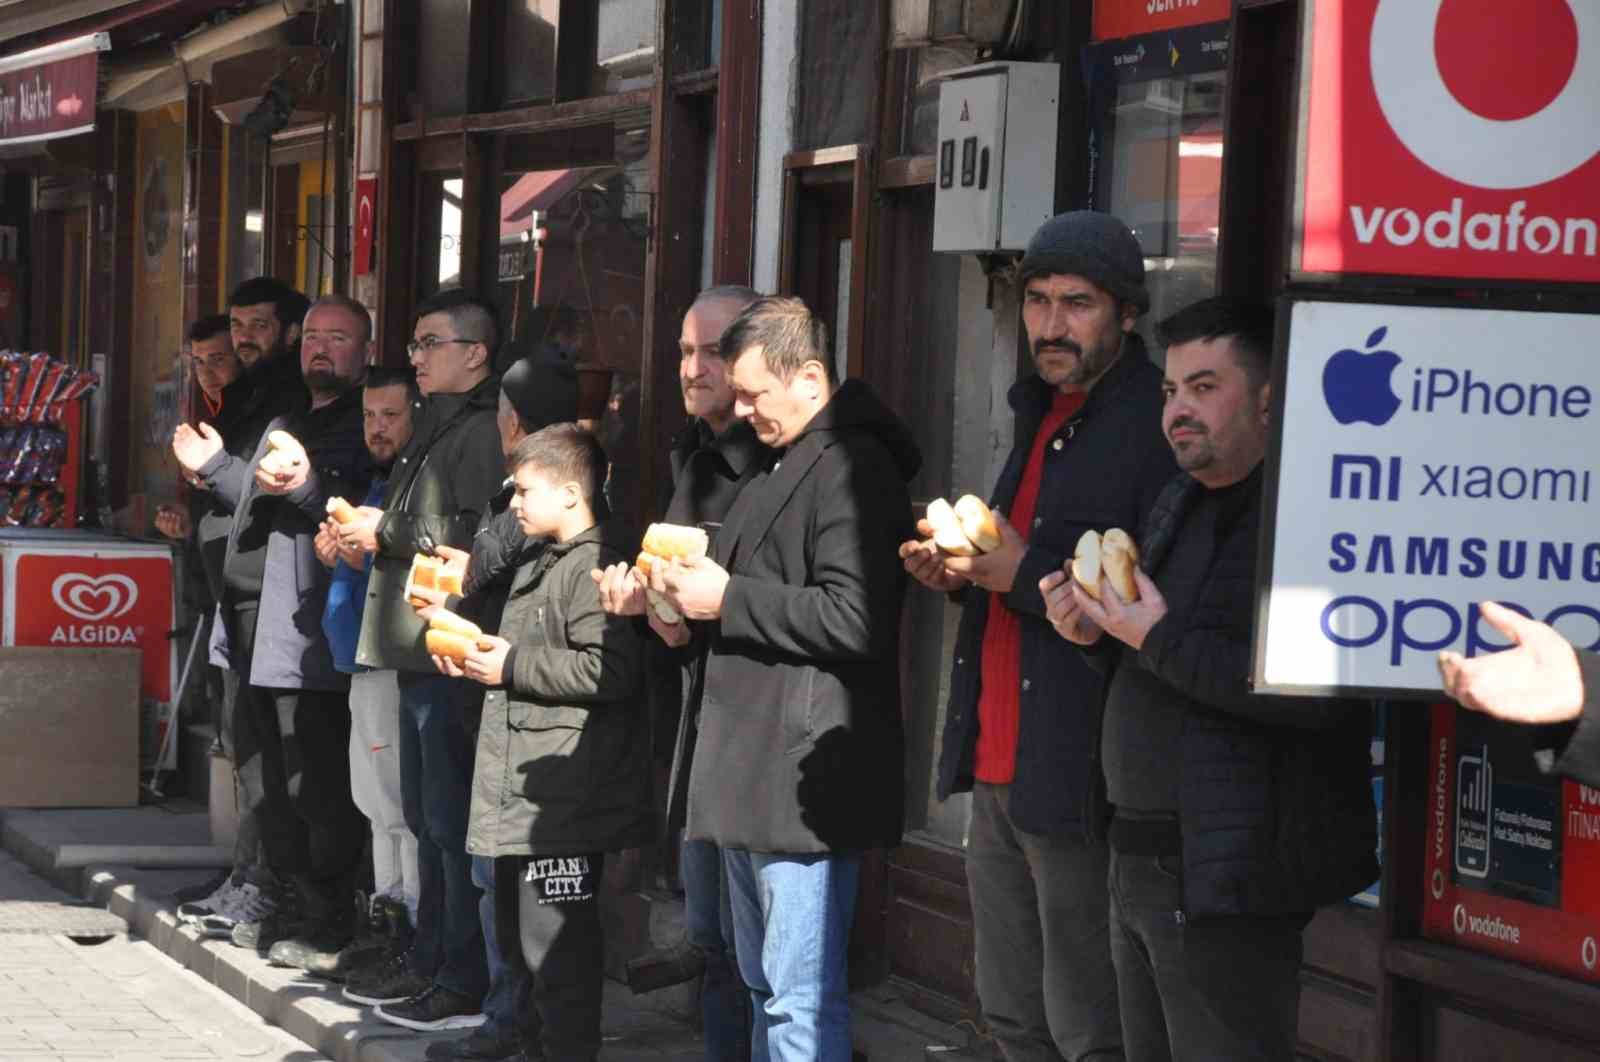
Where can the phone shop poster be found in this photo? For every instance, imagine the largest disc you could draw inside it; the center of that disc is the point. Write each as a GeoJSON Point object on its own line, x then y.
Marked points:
{"type": "Point", "coordinates": [1428, 458]}
{"type": "Point", "coordinates": [1513, 862]}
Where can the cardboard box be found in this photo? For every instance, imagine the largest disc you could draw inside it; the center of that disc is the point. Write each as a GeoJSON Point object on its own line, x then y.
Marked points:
{"type": "Point", "coordinates": [69, 727]}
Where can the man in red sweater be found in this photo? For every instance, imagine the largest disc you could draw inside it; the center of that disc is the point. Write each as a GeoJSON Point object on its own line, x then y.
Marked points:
{"type": "Point", "coordinates": [1023, 721]}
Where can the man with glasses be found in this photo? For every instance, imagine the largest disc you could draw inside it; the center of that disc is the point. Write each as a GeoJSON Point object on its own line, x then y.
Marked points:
{"type": "Point", "coordinates": [438, 488]}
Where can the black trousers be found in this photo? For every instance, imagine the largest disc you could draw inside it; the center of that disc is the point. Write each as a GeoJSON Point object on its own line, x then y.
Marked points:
{"type": "Point", "coordinates": [294, 768]}
{"type": "Point", "coordinates": [249, 862]}
{"type": "Point", "coordinates": [1223, 990]}
{"type": "Point", "coordinates": [558, 919]}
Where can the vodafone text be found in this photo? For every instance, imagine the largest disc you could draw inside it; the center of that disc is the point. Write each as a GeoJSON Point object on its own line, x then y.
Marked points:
{"type": "Point", "coordinates": [1447, 229]}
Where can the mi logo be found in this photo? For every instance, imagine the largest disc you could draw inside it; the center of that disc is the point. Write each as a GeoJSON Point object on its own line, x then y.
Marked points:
{"type": "Point", "coordinates": [1358, 474]}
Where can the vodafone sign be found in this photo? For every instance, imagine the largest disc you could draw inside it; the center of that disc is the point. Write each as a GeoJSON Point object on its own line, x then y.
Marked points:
{"type": "Point", "coordinates": [1452, 138]}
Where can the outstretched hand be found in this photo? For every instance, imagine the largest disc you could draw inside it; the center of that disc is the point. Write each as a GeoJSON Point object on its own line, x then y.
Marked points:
{"type": "Point", "coordinates": [1536, 681]}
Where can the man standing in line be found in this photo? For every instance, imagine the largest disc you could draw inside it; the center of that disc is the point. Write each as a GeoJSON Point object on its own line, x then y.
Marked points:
{"type": "Point", "coordinates": [437, 493]}
{"type": "Point", "coordinates": [1024, 712]}
{"type": "Point", "coordinates": [291, 707]}
{"type": "Point", "coordinates": [1236, 815]}
{"type": "Point", "coordinates": [713, 458]}
{"type": "Point", "coordinates": [263, 325]}
{"type": "Point", "coordinates": [800, 760]}
{"type": "Point", "coordinates": [387, 403]}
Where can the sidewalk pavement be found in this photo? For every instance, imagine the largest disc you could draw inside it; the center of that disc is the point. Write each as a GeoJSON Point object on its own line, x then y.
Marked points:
{"type": "Point", "coordinates": [636, 1029]}
{"type": "Point", "coordinates": [106, 997]}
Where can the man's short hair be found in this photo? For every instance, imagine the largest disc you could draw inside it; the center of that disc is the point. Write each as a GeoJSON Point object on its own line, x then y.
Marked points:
{"type": "Point", "coordinates": [1249, 323]}
{"type": "Point", "coordinates": [787, 332]}
{"type": "Point", "coordinates": [288, 305]}
{"type": "Point", "coordinates": [564, 453]}
{"type": "Point", "coordinates": [354, 307]}
{"type": "Point", "coordinates": [208, 327]}
{"type": "Point", "coordinates": [739, 295]}
{"type": "Point", "coordinates": [473, 318]}
{"type": "Point", "coordinates": [392, 376]}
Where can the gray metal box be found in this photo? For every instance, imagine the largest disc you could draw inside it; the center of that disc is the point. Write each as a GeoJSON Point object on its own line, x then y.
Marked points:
{"type": "Point", "coordinates": [995, 171]}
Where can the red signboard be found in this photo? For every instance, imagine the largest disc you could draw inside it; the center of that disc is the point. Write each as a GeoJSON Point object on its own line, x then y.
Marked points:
{"type": "Point", "coordinates": [81, 601]}
{"type": "Point", "coordinates": [1513, 860]}
{"type": "Point", "coordinates": [1114, 19]}
{"type": "Point", "coordinates": [1452, 138]}
{"type": "Point", "coordinates": [366, 218]}
{"type": "Point", "coordinates": [49, 92]}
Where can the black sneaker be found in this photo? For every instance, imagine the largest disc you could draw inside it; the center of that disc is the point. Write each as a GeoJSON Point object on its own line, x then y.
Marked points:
{"type": "Point", "coordinates": [434, 1009]}
{"type": "Point", "coordinates": [248, 903]}
{"type": "Point", "coordinates": [391, 982]}
{"type": "Point", "coordinates": [665, 967]}
{"type": "Point", "coordinates": [477, 1046]}
{"type": "Point", "coordinates": [193, 909]}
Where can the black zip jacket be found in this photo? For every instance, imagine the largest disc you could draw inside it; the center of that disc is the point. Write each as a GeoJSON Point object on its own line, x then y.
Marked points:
{"type": "Point", "coordinates": [1103, 469]}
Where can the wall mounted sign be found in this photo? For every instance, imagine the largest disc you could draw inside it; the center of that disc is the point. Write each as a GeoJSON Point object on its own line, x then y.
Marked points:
{"type": "Point", "coordinates": [1130, 18]}
{"type": "Point", "coordinates": [50, 92]}
{"type": "Point", "coordinates": [1423, 463]}
{"type": "Point", "coordinates": [1449, 139]}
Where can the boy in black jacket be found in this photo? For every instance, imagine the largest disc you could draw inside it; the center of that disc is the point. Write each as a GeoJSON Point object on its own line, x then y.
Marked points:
{"type": "Point", "coordinates": [562, 774]}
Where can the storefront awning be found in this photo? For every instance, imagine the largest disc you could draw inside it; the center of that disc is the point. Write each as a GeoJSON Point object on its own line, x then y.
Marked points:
{"type": "Point", "coordinates": [49, 92]}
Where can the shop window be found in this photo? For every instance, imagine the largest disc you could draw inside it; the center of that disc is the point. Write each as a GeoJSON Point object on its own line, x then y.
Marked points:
{"type": "Point", "coordinates": [571, 284]}
{"type": "Point", "coordinates": [439, 233]}
{"type": "Point", "coordinates": [919, 126]}
{"type": "Point", "coordinates": [1156, 152]}
{"type": "Point", "coordinates": [841, 49]}
{"type": "Point", "coordinates": [442, 68]}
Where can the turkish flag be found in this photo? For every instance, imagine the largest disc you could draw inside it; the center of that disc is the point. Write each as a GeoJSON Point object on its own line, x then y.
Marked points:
{"type": "Point", "coordinates": [366, 220]}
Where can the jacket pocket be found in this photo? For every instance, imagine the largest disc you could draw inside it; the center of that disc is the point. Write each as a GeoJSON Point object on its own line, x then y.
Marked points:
{"type": "Point", "coordinates": [548, 753]}
{"type": "Point", "coordinates": [798, 713]}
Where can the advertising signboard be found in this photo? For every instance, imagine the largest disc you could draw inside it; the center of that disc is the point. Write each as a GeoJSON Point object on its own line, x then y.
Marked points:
{"type": "Point", "coordinates": [1456, 140]}
{"type": "Point", "coordinates": [1513, 860]}
{"type": "Point", "coordinates": [1425, 459]}
{"type": "Point", "coordinates": [50, 92]}
{"type": "Point", "coordinates": [1131, 18]}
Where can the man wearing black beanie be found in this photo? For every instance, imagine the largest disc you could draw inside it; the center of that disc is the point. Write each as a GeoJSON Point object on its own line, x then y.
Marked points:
{"type": "Point", "coordinates": [1023, 720]}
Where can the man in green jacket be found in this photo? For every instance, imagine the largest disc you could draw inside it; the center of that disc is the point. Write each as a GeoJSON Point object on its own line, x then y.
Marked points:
{"type": "Point", "coordinates": [437, 490]}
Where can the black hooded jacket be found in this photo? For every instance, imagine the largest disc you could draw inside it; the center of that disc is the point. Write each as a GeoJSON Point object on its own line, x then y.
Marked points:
{"type": "Point", "coordinates": [800, 746]}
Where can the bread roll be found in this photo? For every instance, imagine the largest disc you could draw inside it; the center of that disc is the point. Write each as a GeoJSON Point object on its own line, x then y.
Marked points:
{"type": "Point", "coordinates": [675, 540]}
{"type": "Point", "coordinates": [977, 522]}
{"type": "Point", "coordinates": [341, 511]}
{"type": "Point", "coordinates": [282, 442]}
{"type": "Point", "coordinates": [445, 620]}
{"type": "Point", "coordinates": [1086, 563]}
{"type": "Point", "coordinates": [1119, 556]}
{"type": "Point", "coordinates": [1111, 556]}
{"type": "Point", "coordinates": [644, 562]}
{"type": "Point", "coordinates": [947, 533]}
{"type": "Point", "coordinates": [449, 644]}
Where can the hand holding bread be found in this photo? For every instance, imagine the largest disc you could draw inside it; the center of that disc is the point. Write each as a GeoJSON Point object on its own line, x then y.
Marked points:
{"type": "Point", "coordinates": [431, 573]}
{"type": "Point", "coordinates": [1111, 589]}
{"type": "Point", "coordinates": [451, 636]}
{"type": "Point", "coordinates": [1109, 557]}
{"type": "Point", "coordinates": [964, 529]}
{"type": "Point", "coordinates": [665, 543]}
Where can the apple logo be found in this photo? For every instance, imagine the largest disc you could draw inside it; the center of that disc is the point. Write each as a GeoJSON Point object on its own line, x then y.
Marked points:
{"type": "Point", "coordinates": [1356, 385]}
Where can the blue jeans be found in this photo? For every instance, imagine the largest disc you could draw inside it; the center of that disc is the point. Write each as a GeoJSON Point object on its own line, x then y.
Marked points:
{"type": "Point", "coordinates": [791, 919]}
{"type": "Point", "coordinates": [506, 1004]}
{"type": "Point", "coordinates": [724, 1004]}
{"type": "Point", "coordinates": [436, 785]}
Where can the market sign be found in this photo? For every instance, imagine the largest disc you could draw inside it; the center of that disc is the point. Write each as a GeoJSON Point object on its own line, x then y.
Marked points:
{"type": "Point", "coordinates": [1426, 459]}
{"type": "Point", "coordinates": [1115, 19]}
{"type": "Point", "coordinates": [1451, 138]}
{"type": "Point", "coordinates": [50, 92]}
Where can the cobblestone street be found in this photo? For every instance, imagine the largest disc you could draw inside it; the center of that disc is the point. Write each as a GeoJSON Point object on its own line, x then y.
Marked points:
{"type": "Point", "coordinates": [107, 997]}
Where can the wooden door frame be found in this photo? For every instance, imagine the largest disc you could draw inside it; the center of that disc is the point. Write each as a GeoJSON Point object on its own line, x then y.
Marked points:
{"type": "Point", "coordinates": [797, 167]}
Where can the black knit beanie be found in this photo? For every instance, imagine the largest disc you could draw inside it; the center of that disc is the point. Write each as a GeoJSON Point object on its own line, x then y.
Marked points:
{"type": "Point", "coordinates": [1091, 245]}
{"type": "Point", "coordinates": [542, 389]}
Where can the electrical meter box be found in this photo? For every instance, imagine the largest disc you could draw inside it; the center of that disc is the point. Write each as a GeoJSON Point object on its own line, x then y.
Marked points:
{"type": "Point", "coordinates": [996, 164]}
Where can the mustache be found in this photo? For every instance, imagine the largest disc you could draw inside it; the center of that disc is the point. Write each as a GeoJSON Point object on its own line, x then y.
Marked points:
{"type": "Point", "coordinates": [1187, 422]}
{"type": "Point", "coordinates": [1062, 343]}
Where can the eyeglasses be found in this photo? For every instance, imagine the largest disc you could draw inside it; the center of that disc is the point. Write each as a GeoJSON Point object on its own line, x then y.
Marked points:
{"type": "Point", "coordinates": [426, 344]}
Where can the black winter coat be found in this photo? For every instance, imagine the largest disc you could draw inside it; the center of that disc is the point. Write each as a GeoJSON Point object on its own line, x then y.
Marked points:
{"type": "Point", "coordinates": [707, 475]}
{"type": "Point", "coordinates": [1579, 756]}
{"type": "Point", "coordinates": [1274, 793]}
{"type": "Point", "coordinates": [438, 489]}
{"type": "Point", "coordinates": [563, 754]}
{"type": "Point", "coordinates": [1103, 469]}
{"type": "Point", "coordinates": [800, 746]}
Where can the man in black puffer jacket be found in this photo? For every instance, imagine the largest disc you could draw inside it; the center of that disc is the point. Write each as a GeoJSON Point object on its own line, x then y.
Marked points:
{"type": "Point", "coordinates": [1236, 815]}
